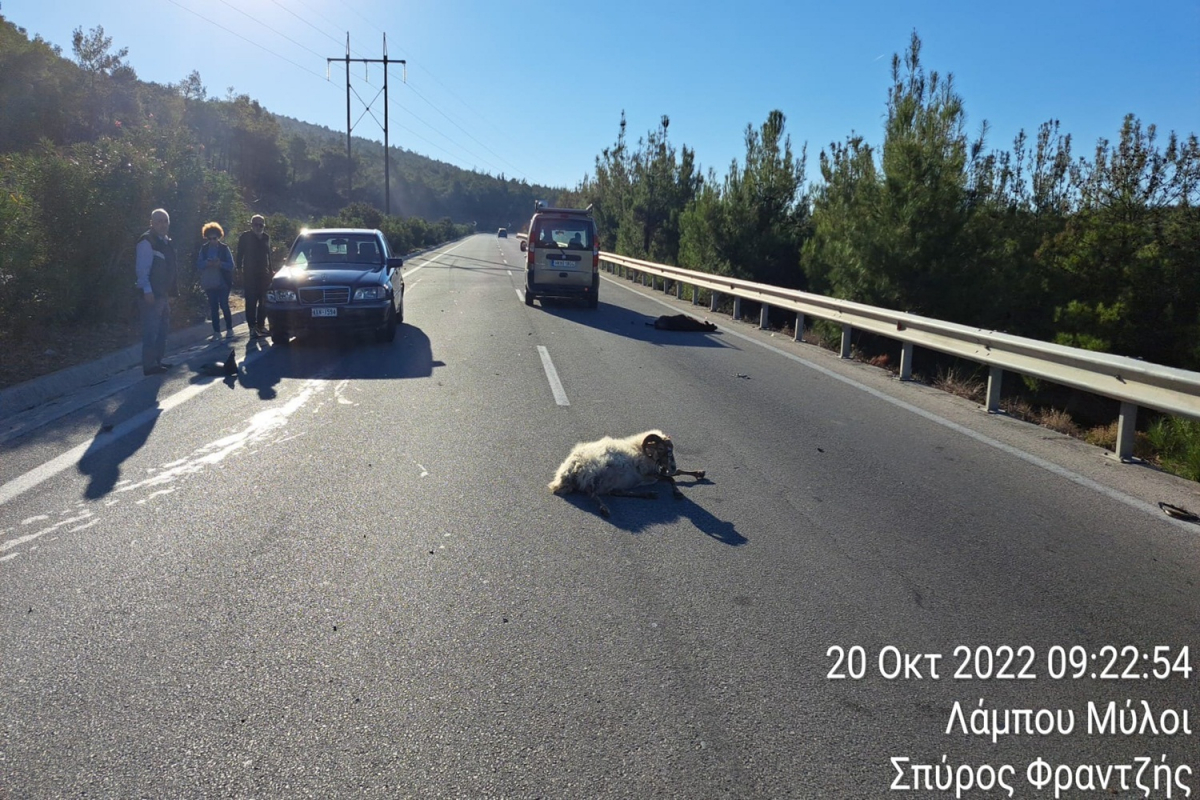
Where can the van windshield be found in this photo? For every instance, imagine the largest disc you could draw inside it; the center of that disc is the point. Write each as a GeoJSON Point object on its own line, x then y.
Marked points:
{"type": "Point", "coordinates": [564, 233]}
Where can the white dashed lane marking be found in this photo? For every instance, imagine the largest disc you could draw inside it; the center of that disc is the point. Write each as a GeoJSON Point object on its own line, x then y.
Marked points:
{"type": "Point", "coordinates": [560, 396]}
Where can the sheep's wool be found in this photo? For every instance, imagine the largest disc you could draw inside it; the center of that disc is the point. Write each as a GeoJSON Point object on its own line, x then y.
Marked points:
{"type": "Point", "coordinates": [608, 464]}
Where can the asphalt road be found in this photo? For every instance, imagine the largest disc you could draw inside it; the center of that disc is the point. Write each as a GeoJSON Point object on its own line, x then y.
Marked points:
{"type": "Point", "coordinates": [342, 575]}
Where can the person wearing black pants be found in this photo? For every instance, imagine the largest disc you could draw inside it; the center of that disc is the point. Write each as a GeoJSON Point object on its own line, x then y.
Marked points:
{"type": "Point", "coordinates": [254, 260]}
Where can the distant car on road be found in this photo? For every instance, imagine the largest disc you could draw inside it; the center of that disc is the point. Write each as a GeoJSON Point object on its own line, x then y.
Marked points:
{"type": "Point", "coordinates": [343, 280]}
{"type": "Point", "coordinates": [502, 233]}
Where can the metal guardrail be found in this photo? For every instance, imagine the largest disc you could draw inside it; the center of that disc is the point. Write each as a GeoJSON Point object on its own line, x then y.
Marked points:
{"type": "Point", "coordinates": [1134, 383]}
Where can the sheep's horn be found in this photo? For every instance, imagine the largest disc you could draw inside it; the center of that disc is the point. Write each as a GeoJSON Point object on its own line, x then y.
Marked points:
{"type": "Point", "coordinates": [652, 438]}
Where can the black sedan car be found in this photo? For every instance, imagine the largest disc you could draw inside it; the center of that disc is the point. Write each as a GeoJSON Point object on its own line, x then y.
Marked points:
{"type": "Point", "coordinates": [341, 280]}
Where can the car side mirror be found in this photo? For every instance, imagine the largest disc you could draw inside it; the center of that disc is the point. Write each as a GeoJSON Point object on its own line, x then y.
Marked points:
{"type": "Point", "coordinates": [523, 245]}
{"type": "Point", "coordinates": [395, 263]}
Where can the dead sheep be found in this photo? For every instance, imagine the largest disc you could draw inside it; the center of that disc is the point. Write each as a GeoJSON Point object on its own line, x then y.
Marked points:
{"type": "Point", "coordinates": [617, 466]}
{"type": "Point", "coordinates": [681, 322]}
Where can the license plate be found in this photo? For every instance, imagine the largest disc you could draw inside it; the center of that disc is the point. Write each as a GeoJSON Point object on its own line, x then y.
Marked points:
{"type": "Point", "coordinates": [324, 312]}
{"type": "Point", "coordinates": [554, 262]}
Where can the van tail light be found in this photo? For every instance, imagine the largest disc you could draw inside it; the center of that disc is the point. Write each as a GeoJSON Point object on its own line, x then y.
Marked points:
{"type": "Point", "coordinates": [595, 259]}
{"type": "Point", "coordinates": [529, 257]}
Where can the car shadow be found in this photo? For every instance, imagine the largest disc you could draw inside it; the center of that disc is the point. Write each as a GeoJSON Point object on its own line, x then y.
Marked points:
{"type": "Point", "coordinates": [636, 515]}
{"type": "Point", "coordinates": [621, 321]}
{"type": "Point", "coordinates": [342, 357]}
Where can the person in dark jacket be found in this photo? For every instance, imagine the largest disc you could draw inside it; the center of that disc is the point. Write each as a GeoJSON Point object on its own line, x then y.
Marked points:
{"type": "Point", "coordinates": [155, 267]}
{"type": "Point", "coordinates": [254, 260]}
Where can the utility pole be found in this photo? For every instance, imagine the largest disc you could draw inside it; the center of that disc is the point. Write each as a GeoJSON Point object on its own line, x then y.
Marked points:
{"type": "Point", "coordinates": [387, 179]}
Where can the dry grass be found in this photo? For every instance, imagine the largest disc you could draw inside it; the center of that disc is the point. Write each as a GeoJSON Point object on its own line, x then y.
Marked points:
{"type": "Point", "coordinates": [52, 349]}
{"type": "Point", "coordinates": [1059, 422]}
{"type": "Point", "coordinates": [961, 383]}
{"type": "Point", "coordinates": [818, 336]}
{"type": "Point", "coordinates": [1106, 436]}
{"type": "Point", "coordinates": [1019, 409]}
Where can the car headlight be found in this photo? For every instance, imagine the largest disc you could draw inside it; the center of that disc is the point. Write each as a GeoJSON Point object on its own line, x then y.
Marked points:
{"type": "Point", "coordinates": [281, 295]}
{"type": "Point", "coordinates": [371, 293]}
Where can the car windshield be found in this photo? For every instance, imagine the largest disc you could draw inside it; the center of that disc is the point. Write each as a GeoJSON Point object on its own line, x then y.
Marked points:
{"type": "Point", "coordinates": [332, 251]}
{"type": "Point", "coordinates": [565, 233]}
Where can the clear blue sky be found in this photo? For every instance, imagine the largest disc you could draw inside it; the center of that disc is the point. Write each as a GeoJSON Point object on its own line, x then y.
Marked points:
{"type": "Point", "coordinates": [477, 71]}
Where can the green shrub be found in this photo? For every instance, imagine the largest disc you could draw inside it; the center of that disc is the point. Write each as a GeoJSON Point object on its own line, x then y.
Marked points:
{"type": "Point", "coordinates": [1177, 442]}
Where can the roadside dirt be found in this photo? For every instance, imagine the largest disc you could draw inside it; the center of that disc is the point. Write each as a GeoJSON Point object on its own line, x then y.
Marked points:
{"type": "Point", "coordinates": [62, 346]}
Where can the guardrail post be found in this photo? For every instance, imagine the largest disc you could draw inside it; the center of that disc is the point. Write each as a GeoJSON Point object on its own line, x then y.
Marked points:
{"type": "Point", "coordinates": [906, 353]}
{"type": "Point", "coordinates": [678, 290]}
{"type": "Point", "coordinates": [712, 300]}
{"type": "Point", "coordinates": [846, 329]}
{"type": "Point", "coordinates": [995, 377]}
{"type": "Point", "coordinates": [737, 309]}
{"type": "Point", "coordinates": [799, 334]}
{"type": "Point", "coordinates": [1126, 431]}
{"type": "Point", "coordinates": [695, 295]}
{"type": "Point", "coordinates": [764, 314]}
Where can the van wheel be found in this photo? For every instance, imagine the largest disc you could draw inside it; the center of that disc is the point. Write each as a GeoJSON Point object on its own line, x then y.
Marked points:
{"type": "Point", "coordinates": [528, 297]}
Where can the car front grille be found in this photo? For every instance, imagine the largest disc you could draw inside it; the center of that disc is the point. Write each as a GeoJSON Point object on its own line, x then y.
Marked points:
{"type": "Point", "coordinates": [325, 295]}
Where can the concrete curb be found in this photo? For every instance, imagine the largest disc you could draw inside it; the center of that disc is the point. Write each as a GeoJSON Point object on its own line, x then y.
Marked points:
{"type": "Point", "coordinates": [39, 391]}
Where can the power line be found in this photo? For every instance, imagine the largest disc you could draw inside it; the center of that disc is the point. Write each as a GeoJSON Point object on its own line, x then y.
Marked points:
{"type": "Point", "coordinates": [455, 124]}
{"type": "Point", "coordinates": [268, 27]}
{"type": "Point", "coordinates": [449, 91]}
{"type": "Point", "coordinates": [243, 38]}
{"type": "Point", "coordinates": [316, 28]}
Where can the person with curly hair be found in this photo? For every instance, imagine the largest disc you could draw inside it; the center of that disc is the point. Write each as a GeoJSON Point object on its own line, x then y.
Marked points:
{"type": "Point", "coordinates": [214, 263]}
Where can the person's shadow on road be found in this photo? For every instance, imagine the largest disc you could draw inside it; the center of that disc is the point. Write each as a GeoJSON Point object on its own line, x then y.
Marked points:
{"type": "Point", "coordinates": [121, 434]}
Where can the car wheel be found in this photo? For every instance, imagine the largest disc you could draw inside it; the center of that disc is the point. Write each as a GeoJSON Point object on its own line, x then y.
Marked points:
{"type": "Point", "coordinates": [388, 332]}
{"type": "Point", "coordinates": [400, 309]}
